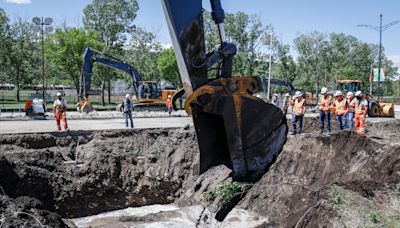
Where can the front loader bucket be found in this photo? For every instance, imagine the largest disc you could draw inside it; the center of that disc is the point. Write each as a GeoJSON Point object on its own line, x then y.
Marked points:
{"type": "Point", "coordinates": [241, 132]}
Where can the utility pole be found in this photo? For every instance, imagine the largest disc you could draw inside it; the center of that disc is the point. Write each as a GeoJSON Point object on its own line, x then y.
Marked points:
{"type": "Point", "coordinates": [270, 66]}
{"type": "Point", "coordinates": [380, 29]}
{"type": "Point", "coordinates": [43, 25]}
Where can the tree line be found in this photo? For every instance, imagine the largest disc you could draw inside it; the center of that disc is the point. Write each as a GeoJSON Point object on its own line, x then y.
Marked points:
{"type": "Point", "coordinates": [313, 60]}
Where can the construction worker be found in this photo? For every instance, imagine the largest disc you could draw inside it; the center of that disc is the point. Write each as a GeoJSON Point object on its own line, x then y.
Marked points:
{"type": "Point", "coordinates": [324, 103]}
{"type": "Point", "coordinates": [341, 109]}
{"type": "Point", "coordinates": [299, 110]}
{"type": "Point", "coordinates": [275, 101]}
{"type": "Point", "coordinates": [286, 103]}
{"type": "Point", "coordinates": [351, 106]}
{"type": "Point", "coordinates": [59, 111]}
{"type": "Point", "coordinates": [127, 107]}
{"type": "Point", "coordinates": [169, 104]}
{"type": "Point", "coordinates": [360, 113]}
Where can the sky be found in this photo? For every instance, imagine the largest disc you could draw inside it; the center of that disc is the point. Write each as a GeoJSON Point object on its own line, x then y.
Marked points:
{"type": "Point", "coordinates": [289, 17]}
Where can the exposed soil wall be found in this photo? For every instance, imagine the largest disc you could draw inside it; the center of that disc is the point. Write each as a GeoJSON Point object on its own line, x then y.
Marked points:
{"type": "Point", "coordinates": [297, 190]}
{"type": "Point", "coordinates": [314, 181]}
{"type": "Point", "coordinates": [116, 169]}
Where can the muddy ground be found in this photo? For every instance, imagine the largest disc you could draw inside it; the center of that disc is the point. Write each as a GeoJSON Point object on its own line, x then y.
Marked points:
{"type": "Point", "coordinates": [317, 180]}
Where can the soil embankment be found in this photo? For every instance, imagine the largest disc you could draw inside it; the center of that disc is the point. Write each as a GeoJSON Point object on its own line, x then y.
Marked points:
{"type": "Point", "coordinates": [342, 179]}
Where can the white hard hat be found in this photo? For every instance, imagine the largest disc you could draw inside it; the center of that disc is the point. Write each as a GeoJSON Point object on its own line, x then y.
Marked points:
{"type": "Point", "coordinates": [127, 95]}
{"type": "Point", "coordinates": [338, 93]}
{"type": "Point", "coordinates": [350, 94]}
{"type": "Point", "coordinates": [287, 95]}
{"type": "Point", "coordinates": [58, 94]}
{"type": "Point", "coordinates": [298, 94]}
{"type": "Point", "coordinates": [359, 93]}
{"type": "Point", "coordinates": [324, 90]}
{"type": "Point", "coordinates": [169, 96]}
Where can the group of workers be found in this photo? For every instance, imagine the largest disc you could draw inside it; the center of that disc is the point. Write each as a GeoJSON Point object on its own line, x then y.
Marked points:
{"type": "Point", "coordinates": [60, 107]}
{"type": "Point", "coordinates": [350, 110]}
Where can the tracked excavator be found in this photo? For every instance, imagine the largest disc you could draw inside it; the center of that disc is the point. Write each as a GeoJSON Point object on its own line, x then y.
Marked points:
{"type": "Point", "coordinates": [233, 127]}
{"type": "Point", "coordinates": [149, 95]}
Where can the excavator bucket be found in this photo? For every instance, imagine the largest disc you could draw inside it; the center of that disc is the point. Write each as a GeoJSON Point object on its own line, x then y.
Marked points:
{"type": "Point", "coordinates": [236, 129]}
{"type": "Point", "coordinates": [233, 127]}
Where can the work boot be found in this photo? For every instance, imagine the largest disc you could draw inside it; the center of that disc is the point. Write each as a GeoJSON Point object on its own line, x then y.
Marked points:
{"type": "Point", "coordinates": [321, 131]}
{"type": "Point", "coordinates": [293, 133]}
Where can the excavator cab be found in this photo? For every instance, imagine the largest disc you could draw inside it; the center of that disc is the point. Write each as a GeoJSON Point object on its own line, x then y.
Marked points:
{"type": "Point", "coordinates": [233, 127]}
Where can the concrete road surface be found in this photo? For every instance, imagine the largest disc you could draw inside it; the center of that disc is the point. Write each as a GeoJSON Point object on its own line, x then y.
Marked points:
{"type": "Point", "coordinates": [32, 126]}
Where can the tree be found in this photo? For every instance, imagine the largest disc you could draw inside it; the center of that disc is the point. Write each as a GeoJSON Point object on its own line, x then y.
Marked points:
{"type": "Point", "coordinates": [310, 48]}
{"type": "Point", "coordinates": [143, 52]}
{"type": "Point", "coordinates": [22, 54]}
{"type": "Point", "coordinates": [112, 19]}
{"type": "Point", "coordinates": [65, 50]}
{"type": "Point", "coordinates": [168, 67]}
{"type": "Point", "coordinates": [248, 33]}
{"type": "Point", "coordinates": [4, 43]}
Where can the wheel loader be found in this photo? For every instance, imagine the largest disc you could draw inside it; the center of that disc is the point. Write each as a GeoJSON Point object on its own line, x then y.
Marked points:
{"type": "Point", "coordinates": [233, 127]}
{"type": "Point", "coordinates": [376, 108]}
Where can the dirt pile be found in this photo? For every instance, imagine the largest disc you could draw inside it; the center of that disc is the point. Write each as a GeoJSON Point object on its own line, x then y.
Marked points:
{"type": "Point", "coordinates": [315, 177]}
{"type": "Point", "coordinates": [115, 169]}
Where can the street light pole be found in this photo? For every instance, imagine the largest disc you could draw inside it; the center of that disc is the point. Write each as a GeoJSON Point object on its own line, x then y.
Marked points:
{"type": "Point", "coordinates": [380, 57]}
{"type": "Point", "coordinates": [43, 76]}
{"type": "Point", "coordinates": [270, 66]}
{"type": "Point", "coordinates": [40, 26]}
{"type": "Point", "coordinates": [380, 29]}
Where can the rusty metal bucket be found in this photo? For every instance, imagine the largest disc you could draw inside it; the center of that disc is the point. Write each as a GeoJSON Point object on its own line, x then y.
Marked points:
{"type": "Point", "coordinates": [237, 129]}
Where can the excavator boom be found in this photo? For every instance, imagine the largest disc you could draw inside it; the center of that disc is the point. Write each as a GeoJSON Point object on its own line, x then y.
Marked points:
{"type": "Point", "coordinates": [233, 127]}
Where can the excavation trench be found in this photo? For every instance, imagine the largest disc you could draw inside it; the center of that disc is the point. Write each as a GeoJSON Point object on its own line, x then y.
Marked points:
{"type": "Point", "coordinates": [78, 174]}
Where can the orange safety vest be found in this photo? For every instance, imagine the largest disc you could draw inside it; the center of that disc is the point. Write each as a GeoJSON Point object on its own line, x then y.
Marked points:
{"type": "Point", "coordinates": [169, 103]}
{"type": "Point", "coordinates": [325, 103]}
{"type": "Point", "coordinates": [341, 107]}
{"type": "Point", "coordinates": [351, 104]}
{"type": "Point", "coordinates": [298, 107]}
{"type": "Point", "coordinates": [360, 108]}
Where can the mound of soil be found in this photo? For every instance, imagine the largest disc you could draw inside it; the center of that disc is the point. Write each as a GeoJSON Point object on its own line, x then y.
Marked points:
{"type": "Point", "coordinates": [114, 169]}
{"type": "Point", "coordinates": [313, 182]}
{"type": "Point", "coordinates": [297, 189]}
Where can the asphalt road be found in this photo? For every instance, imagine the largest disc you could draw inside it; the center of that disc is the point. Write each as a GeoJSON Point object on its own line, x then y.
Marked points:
{"type": "Point", "coordinates": [116, 121]}
{"type": "Point", "coordinates": [35, 126]}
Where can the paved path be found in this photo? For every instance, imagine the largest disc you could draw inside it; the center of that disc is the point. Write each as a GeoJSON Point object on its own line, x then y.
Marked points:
{"type": "Point", "coordinates": [31, 126]}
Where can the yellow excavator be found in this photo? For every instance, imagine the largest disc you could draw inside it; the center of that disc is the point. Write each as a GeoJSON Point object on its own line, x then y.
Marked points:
{"type": "Point", "coordinates": [376, 108]}
{"type": "Point", "coordinates": [149, 95]}
{"type": "Point", "coordinates": [233, 127]}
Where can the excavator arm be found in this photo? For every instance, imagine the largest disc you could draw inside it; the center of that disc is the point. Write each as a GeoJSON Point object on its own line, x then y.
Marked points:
{"type": "Point", "coordinates": [90, 57]}
{"type": "Point", "coordinates": [233, 127]}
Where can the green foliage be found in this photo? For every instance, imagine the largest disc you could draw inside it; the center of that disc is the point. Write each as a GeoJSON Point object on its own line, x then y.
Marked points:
{"type": "Point", "coordinates": [111, 18]}
{"type": "Point", "coordinates": [64, 50]}
{"type": "Point", "coordinates": [168, 67]}
{"type": "Point", "coordinates": [337, 195]}
{"type": "Point", "coordinates": [325, 58]}
{"type": "Point", "coordinates": [143, 52]}
{"type": "Point", "coordinates": [249, 34]}
{"type": "Point", "coordinates": [20, 54]}
{"type": "Point", "coordinates": [226, 192]}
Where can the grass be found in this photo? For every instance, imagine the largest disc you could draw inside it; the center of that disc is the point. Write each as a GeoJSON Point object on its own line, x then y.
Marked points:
{"type": "Point", "coordinates": [8, 101]}
{"type": "Point", "coordinates": [362, 210]}
{"type": "Point", "coordinates": [337, 195]}
{"type": "Point", "coordinates": [226, 192]}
